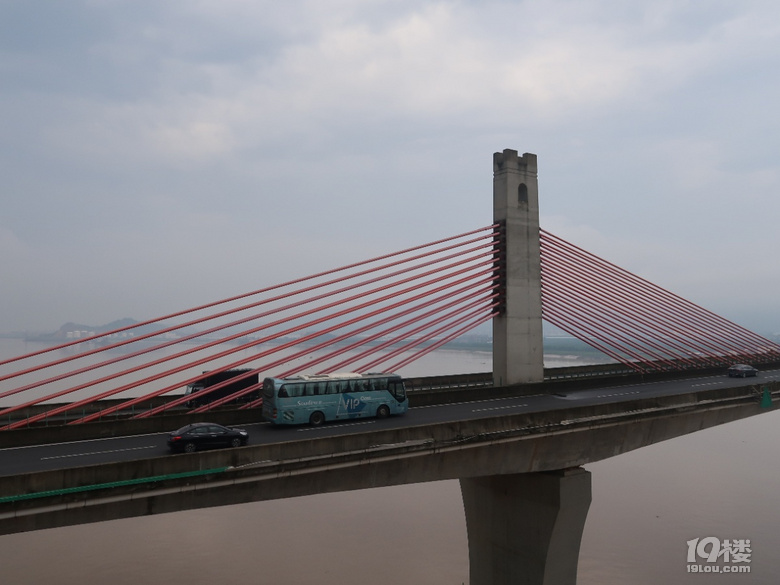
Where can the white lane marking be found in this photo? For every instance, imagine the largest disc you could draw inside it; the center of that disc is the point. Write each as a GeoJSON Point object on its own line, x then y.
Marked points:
{"type": "Point", "coordinates": [479, 401]}
{"type": "Point", "coordinates": [499, 408]}
{"type": "Point", "coordinates": [99, 452]}
{"type": "Point", "coordinates": [707, 384]}
{"type": "Point", "coordinates": [617, 394]}
{"type": "Point", "coordinates": [305, 429]}
{"type": "Point", "coordinates": [95, 440]}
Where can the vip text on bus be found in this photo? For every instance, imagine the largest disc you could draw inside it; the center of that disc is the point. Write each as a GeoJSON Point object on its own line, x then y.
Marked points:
{"type": "Point", "coordinates": [324, 397]}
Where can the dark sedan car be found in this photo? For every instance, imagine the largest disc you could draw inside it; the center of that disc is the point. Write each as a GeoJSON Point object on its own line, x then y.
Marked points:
{"type": "Point", "coordinates": [205, 436]}
{"type": "Point", "coordinates": [742, 371]}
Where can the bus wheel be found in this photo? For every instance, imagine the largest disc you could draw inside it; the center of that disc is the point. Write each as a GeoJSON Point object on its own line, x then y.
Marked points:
{"type": "Point", "coordinates": [316, 418]}
{"type": "Point", "coordinates": [383, 411]}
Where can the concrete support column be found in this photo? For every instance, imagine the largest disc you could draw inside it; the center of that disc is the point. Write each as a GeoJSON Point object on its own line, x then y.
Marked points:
{"type": "Point", "coordinates": [518, 353]}
{"type": "Point", "coordinates": [525, 529]}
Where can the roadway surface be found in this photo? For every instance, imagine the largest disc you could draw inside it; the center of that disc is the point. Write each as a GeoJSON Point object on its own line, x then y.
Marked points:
{"type": "Point", "coordinates": [18, 460]}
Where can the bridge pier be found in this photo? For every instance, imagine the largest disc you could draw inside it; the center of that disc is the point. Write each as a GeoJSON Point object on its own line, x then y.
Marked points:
{"type": "Point", "coordinates": [517, 332]}
{"type": "Point", "coordinates": [525, 529]}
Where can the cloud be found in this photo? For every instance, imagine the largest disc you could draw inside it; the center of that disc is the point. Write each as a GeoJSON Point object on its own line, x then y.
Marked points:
{"type": "Point", "coordinates": [148, 143]}
{"type": "Point", "coordinates": [429, 63]}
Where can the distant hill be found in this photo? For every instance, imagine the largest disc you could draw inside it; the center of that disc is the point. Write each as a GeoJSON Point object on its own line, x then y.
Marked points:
{"type": "Point", "coordinates": [72, 331]}
{"type": "Point", "coordinates": [126, 322]}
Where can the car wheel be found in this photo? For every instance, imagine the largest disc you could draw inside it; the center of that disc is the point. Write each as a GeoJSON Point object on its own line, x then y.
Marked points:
{"type": "Point", "coordinates": [190, 448]}
{"type": "Point", "coordinates": [316, 418]}
{"type": "Point", "coordinates": [383, 411]}
{"type": "Point", "coordinates": [235, 442]}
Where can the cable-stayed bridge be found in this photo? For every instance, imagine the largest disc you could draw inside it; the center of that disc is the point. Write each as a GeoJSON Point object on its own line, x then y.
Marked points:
{"type": "Point", "coordinates": [382, 315]}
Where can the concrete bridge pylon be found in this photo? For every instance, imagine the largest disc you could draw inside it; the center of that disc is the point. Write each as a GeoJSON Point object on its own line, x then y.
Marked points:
{"type": "Point", "coordinates": [517, 332]}
{"type": "Point", "coordinates": [525, 529]}
{"type": "Point", "coordinates": [522, 528]}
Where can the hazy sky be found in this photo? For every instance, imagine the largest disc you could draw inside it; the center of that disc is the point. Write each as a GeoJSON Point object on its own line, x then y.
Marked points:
{"type": "Point", "coordinates": [158, 155]}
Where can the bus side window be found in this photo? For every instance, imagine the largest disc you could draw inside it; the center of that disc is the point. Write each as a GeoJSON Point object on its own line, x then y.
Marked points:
{"type": "Point", "coordinates": [332, 388]}
{"type": "Point", "coordinates": [308, 389]}
{"type": "Point", "coordinates": [381, 384]}
{"type": "Point", "coordinates": [283, 392]}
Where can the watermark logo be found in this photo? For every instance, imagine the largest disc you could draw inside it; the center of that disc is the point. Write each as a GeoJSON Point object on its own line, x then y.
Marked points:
{"type": "Point", "coordinates": [713, 555]}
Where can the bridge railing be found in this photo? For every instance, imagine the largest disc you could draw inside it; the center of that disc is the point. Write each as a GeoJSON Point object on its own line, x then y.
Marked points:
{"type": "Point", "coordinates": [589, 371]}
{"type": "Point", "coordinates": [449, 382]}
{"type": "Point", "coordinates": [482, 379]}
{"type": "Point", "coordinates": [70, 415]}
{"type": "Point", "coordinates": [485, 379]}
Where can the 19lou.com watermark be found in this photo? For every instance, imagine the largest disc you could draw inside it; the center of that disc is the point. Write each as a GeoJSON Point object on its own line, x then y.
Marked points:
{"type": "Point", "coordinates": [713, 555]}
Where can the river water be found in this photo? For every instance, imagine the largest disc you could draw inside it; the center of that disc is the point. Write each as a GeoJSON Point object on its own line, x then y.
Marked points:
{"type": "Point", "coordinates": [647, 504]}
